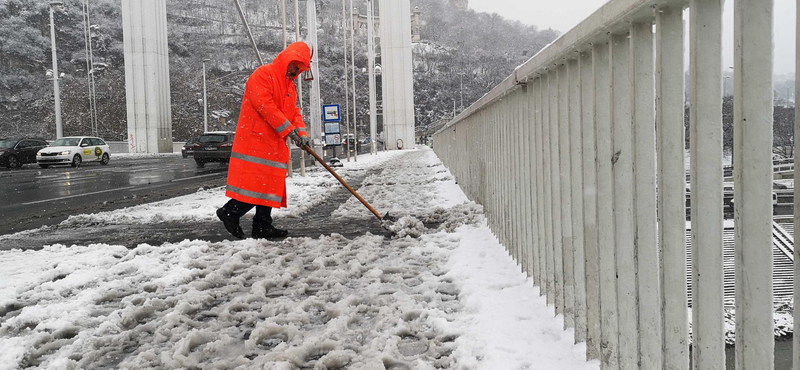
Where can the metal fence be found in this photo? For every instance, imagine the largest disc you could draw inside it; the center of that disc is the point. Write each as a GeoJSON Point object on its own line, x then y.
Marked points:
{"type": "Point", "coordinates": [578, 159]}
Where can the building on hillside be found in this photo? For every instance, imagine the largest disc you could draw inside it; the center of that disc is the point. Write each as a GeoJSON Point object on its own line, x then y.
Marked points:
{"type": "Point", "coordinates": [460, 4]}
{"type": "Point", "coordinates": [416, 25]}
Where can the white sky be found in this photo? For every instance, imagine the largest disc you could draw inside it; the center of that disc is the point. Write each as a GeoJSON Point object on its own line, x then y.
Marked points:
{"type": "Point", "coordinates": [562, 15]}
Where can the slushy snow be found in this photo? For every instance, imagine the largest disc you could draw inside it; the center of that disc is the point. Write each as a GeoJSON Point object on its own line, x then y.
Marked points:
{"type": "Point", "coordinates": [441, 293]}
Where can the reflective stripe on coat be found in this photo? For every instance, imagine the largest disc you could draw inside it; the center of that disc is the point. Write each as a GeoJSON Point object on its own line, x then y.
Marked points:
{"type": "Point", "coordinates": [259, 158]}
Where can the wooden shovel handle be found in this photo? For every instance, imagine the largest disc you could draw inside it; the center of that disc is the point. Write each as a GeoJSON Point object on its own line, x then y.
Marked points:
{"type": "Point", "coordinates": [308, 149]}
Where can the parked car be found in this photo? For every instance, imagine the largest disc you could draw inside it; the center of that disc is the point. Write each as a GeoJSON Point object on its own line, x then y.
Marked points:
{"type": "Point", "coordinates": [16, 152]}
{"type": "Point", "coordinates": [74, 151]}
{"type": "Point", "coordinates": [189, 148]}
{"type": "Point", "coordinates": [214, 147]}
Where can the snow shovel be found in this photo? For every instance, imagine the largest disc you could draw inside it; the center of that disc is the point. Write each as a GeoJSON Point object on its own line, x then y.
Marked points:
{"type": "Point", "coordinates": [386, 217]}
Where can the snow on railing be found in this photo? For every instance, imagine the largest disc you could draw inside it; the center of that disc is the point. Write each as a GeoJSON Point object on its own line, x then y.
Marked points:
{"type": "Point", "coordinates": [566, 155]}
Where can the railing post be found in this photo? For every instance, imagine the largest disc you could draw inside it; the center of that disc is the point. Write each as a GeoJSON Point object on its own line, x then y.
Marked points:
{"type": "Point", "coordinates": [609, 336]}
{"type": "Point", "coordinates": [541, 184]}
{"type": "Point", "coordinates": [576, 191]}
{"type": "Point", "coordinates": [493, 137]}
{"type": "Point", "coordinates": [490, 132]}
{"type": "Point", "coordinates": [498, 135]}
{"type": "Point", "coordinates": [752, 153]}
{"type": "Point", "coordinates": [645, 241]}
{"type": "Point", "coordinates": [566, 197]}
{"type": "Point", "coordinates": [589, 192]}
{"type": "Point", "coordinates": [517, 153]}
{"type": "Point", "coordinates": [476, 168]}
{"type": "Point", "coordinates": [519, 199]}
{"type": "Point", "coordinates": [555, 188]}
{"type": "Point", "coordinates": [672, 185]}
{"type": "Point", "coordinates": [705, 117]}
{"type": "Point", "coordinates": [502, 110]}
{"type": "Point", "coordinates": [532, 169]}
{"type": "Point", "coordinates": [508, 190]}
{"type": "Point", "coordinates": [503, 211]}
{"type": "Point", "coordinates": [528, 223]}
{"type": "Point", "coordinates": [622, 163]}
{"type": "Point", "coordinates": [548, 186]}
{"type": "Point", "coordinates": [510, 208]}
{"type": "Point", "coordinates": [796, 338]}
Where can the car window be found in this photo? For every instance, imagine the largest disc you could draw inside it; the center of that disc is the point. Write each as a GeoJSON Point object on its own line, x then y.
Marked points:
{"type": "Point", "coordinates": [92, 141]}
{"type": "Point", "coordinates": [7, 144]}
{"type": "Point", "coordinates": [212, 139]}
{"type": "Point", "coordinates": [85, 142]}
{"type": "Point", "coordinates": [24, 144]}
{"type": "Point", "coordinates": [41, 143]}
{"type": "Point", "coordinates": [67, 141]}
{"type": "Point", "coordinates": [99, 142]}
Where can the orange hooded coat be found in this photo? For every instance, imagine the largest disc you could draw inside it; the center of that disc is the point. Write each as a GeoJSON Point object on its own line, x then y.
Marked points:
{"type": "Point", "coordinates": [259, 158]}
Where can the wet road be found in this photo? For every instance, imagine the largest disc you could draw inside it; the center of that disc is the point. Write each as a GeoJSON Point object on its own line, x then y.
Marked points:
{"type": "Point", "coordinates": [32, 197]}
{"type": "Point", "coordinates": [312, 225]}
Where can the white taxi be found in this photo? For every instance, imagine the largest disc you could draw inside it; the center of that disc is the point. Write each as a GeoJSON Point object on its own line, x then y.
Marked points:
{"type": "Point", "coordinates": [74, 151]}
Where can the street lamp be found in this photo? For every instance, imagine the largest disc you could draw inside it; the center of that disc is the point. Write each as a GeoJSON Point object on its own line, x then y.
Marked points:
{"type": "Point", "coordinates": [205, 99]}
{"type": "Point", "coordinates": [353, 75]}
{"type": "Point", "coordinates": [373, 120]}
{"type": "Point", "coordinates": [56, 91]}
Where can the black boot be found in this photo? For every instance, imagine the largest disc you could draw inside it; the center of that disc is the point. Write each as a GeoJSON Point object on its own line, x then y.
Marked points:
{"type": "Point", "coordinates": [231, 223]}
{"type": "Point", "coordinates": [267, 231]}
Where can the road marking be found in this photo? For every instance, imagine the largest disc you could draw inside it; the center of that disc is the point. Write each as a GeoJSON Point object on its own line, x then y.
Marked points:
{"type": "Point", "coordinates": [145, 169]}
{"type": "Point", "coordinates": [77, 195]}
{"type": "Point", "coordinates": [195, 177]}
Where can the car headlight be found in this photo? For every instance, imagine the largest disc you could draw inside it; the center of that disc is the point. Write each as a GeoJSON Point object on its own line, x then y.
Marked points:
{"type": "Point", "coordinates": [38, 154]}
{"type": "Point", "coordinates": [64, 153]}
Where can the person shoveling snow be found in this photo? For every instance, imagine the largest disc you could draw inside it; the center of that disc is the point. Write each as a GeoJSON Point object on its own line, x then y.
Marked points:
{"type": "Point", "coordinates": [259, 158]}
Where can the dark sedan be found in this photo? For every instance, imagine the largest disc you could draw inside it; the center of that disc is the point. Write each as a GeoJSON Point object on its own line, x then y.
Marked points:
{"type": "Point", "coordinates": [16, 152]}
{"type": "Point", "coordinates": [189, 148]}
{"type": "Point", "coordinates": [214, 147]}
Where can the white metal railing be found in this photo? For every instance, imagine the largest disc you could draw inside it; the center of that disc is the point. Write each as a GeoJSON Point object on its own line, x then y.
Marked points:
{"type": "Point", "coordinates": [578, 159]}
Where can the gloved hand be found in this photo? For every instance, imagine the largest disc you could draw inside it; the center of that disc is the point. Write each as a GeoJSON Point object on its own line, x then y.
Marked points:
{"type": "Point", "coordinates": [300, 140]}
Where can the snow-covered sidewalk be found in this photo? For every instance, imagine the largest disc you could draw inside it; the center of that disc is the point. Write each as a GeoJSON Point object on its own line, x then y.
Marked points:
{"type": "Point", "coordinates": [441, 294]}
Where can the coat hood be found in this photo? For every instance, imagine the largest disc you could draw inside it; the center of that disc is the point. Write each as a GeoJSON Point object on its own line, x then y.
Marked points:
{"type": "Point", "coordinates": [296, 52]}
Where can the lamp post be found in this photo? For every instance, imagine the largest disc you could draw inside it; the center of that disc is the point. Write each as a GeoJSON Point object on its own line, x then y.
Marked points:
{"type": "Point", "coordinates": [353, 75]}
{"type": "Point", "coordinates": [373, 120]}
{"type": "Point", "coordinates": [56, 90]}
{"type": "Point", "coordinates": [315, 100]}
{"type": "Point", "coordinates": [346, 81]}
{"type": "Point", "coordinates": [205, 98]}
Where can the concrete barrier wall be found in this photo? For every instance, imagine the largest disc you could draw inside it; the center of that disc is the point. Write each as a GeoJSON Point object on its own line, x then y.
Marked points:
{"type": "Point", "coordinates": [123, 146]}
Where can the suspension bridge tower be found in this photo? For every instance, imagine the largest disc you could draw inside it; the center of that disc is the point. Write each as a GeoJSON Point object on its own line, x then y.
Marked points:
{"type": "Point", "coordinates": [147, 91]}
{"type": "Point", "coordinates": [397, 73]}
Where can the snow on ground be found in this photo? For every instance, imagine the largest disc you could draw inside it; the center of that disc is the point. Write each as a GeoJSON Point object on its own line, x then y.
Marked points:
{"type": "Point", "coordinates": [788, 183]}
{"type": "Point", "coordinates": [441, 294]}
{"type": "Point", "coordinates": [304, 193]}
